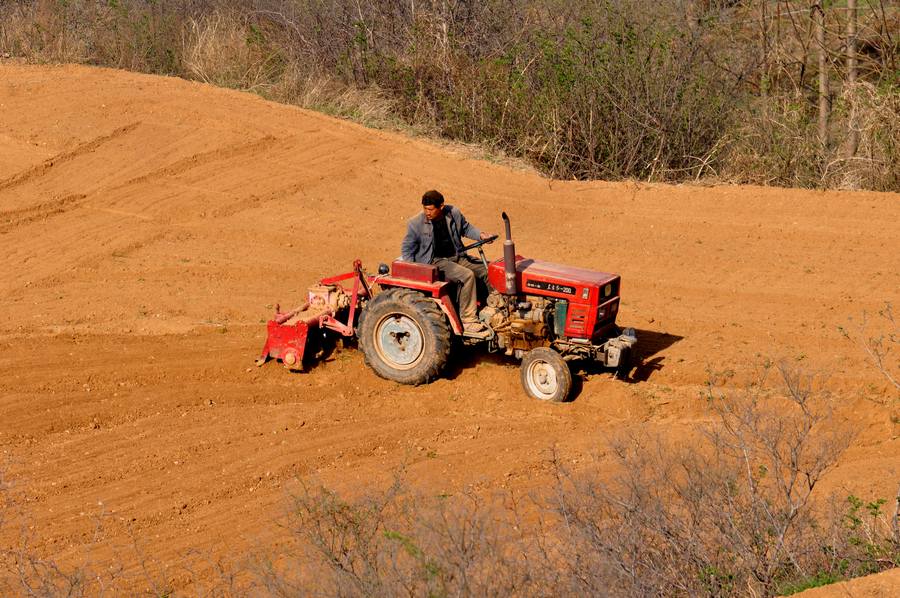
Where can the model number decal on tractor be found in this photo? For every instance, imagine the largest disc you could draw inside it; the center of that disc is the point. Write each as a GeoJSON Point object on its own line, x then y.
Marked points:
{"type": "Point", "coordinates": [550, 286]}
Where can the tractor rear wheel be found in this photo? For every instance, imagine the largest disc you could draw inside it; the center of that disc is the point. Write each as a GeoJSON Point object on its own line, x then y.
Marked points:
{"type": "Point", "coordinates": [404, 336]}
{"type": "Point", "coordinates": [546, 376]}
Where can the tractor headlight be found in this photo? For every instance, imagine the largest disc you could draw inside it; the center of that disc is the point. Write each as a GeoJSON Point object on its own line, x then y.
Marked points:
{"type": "Point", "coordinates": [607, 290]}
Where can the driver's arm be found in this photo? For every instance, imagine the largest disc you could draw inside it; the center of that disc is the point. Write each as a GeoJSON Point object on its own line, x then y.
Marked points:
{"type": "Point", "coordinates": [410, 245]}
{"type": "Point", "coordinates": [468, 230]}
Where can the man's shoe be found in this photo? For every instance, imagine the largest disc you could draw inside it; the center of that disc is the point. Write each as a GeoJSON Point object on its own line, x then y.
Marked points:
{"type": "Point", "coordinates": [476, 330]}
{"type": "Point", "coordinates": [473, 327]}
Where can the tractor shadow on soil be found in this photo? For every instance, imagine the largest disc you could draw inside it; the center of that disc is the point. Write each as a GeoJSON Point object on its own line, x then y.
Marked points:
{"type": "Point", "coordinates": [466, 358]}
{"type": "Point", "coordinates": [324, 347]}
{"type": "Point", "coordinates": [646, 360]}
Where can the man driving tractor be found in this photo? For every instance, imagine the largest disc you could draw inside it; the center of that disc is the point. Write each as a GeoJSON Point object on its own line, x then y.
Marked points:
{"type": "Point", "coordinates": [542, 313]}
{"type": "Point", "coordinates": [435, 237]}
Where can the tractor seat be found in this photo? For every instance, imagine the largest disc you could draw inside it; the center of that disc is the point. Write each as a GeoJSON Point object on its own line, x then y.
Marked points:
{"type": "Point", "coordinates": [427, 273]}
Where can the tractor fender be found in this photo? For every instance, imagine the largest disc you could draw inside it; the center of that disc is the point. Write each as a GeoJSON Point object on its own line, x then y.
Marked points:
{"type": "Point", "coordinates": [449, 310]}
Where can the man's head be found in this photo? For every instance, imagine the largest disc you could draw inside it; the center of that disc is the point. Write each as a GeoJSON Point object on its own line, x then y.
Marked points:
{"type": "Point", "coordinates": [433, 204]}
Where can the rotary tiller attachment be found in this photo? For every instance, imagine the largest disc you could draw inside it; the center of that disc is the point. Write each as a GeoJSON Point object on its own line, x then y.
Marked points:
{"type": "Point", "coordinates": [288, 332]}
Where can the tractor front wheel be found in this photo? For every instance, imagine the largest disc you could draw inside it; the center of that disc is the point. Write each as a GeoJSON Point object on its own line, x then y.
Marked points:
{"type": "Point", "coordinates": [546, 375]}
{"type": "Point", "coordinates": [404, 336]}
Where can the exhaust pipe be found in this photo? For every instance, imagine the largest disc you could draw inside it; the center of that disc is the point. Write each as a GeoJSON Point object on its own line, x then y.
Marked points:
{"type": "Point", "coordinates": [509, 259]}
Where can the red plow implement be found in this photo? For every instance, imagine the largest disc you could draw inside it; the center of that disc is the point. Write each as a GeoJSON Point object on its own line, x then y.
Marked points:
{"type": "Point", "coordinates": [289, 332]}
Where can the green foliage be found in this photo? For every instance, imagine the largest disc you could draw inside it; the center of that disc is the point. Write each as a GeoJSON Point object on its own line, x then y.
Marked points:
{"type": "Point", "coordinates": [823, 578]}
{"type": "Point", "coordinates": [429, 568]}
{"type": "Point", "coordinates": [255, 35]}
{"type": "Point", "coordinates": [863, 520]}
{"type": "Point", "coordinates": [716, 582]}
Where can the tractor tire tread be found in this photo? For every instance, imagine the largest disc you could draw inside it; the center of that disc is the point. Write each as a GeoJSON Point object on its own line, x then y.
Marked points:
{"type": "Point", "coordinates": [428, 315]}
{"type": "Point", "coordinates": [554, 360]}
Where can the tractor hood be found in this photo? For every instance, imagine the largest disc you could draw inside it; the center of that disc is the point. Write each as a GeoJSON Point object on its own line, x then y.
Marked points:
{"type": "Point", "coordinates": [535, 277]}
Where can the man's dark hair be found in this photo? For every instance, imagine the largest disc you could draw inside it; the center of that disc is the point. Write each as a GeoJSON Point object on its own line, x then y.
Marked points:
{"type": "Point", "coordinates": [432, 198]}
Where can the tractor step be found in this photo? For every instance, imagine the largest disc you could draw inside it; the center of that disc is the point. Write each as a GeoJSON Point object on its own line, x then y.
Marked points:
{"type": "Point", "coordinates": [481, 335]}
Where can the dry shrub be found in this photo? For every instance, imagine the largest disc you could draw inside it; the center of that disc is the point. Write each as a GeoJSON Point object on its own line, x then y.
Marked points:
{"type": "Point", "coordinates": [875, 114]}
{"type": "Point", "coordinates": [401, 543]}
{"type": "Point", "coordinates": [136, 35]}
{"type": "Point", "coordinates": [370, 106]}
{"type": "Point", "coordinates": [222, 49]}
{"type": "Point", "coordinates": [727, 512]}
{"type": "Point", "coordinates": [25, 573]}
{"type": "Point", "coordinates": [776, 142]}
{"type": "Point", "coordinates": [731, 512]}
{"type": "Point", "coordinates": [128, 34]}
{"type": "Point", "coordinates": [879, 338]}
{"type": "Point", "coordinates": [669, 90]}
{"type": "Point", "coordinates": [42, 32]}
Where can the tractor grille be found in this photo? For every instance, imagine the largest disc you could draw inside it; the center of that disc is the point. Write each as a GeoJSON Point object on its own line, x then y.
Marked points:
{"type": "Point", "coordinates": [578, 316]}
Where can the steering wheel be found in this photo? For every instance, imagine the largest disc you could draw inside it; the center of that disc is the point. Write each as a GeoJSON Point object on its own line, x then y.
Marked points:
{"type": "Point", "coordinates": [478, 244]}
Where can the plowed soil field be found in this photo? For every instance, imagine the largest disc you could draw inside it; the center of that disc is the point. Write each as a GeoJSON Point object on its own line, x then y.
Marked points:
{"type": "Point", "coordinates": [148, 226]}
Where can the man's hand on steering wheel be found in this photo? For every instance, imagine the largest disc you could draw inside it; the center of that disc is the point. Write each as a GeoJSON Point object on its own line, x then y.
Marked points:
{"type": "Point", "coordinates": [485, 239]}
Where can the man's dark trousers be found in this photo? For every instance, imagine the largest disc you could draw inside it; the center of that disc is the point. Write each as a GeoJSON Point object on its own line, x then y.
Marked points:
{"type": "Point", "coordinates": [464, 271]}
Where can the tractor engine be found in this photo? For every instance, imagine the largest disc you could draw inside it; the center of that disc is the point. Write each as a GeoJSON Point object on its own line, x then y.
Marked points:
{"type": "Point", "coordinates": [519, 325]}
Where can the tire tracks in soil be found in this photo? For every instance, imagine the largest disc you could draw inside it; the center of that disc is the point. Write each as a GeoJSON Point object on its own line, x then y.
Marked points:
{"type": "Point", "coordinates": [14, 218]}
{"type": "Point", "coordinates": [203, 158]}
{"type": "Point", "coordinates": [41, 169]}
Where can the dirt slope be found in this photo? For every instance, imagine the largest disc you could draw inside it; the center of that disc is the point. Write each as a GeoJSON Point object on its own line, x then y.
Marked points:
{"type": "Point", "coordinates": [148, 225]}
{"type": "Point", "coordinates": [881, 585]}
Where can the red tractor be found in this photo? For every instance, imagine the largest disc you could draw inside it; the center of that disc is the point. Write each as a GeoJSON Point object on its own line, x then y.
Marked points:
{"type": "Point", "coordinates": [405, 319]}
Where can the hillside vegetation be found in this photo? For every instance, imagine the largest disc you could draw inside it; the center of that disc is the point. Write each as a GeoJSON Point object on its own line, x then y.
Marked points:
{"type": "Point", "coordinates": [749, 91]}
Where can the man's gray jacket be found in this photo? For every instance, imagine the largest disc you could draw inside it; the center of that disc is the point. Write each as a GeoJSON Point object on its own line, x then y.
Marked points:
{"type": "Point", "coordinates": [418, 244]}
